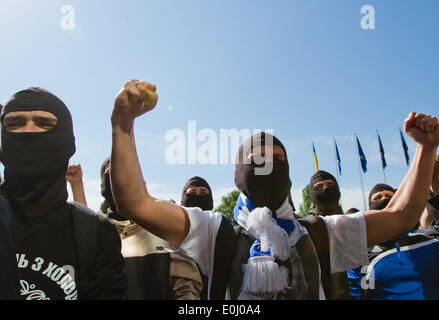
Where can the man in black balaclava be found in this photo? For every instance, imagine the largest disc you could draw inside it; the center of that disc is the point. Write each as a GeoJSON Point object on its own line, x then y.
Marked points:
{"type": "Point", "coordinates": [108, 207]}
{"type": "Point", "coordinates": [264, 190]}
{"type": "Point", "coordinates": [197, 193]}
{"type": "Point", "coordinates": [325, 193]}
{"type": "Point", "coordinates": [37, 142]}
{"type": "Point", "coordinates": [380, 196]}
{"type": "Point", "coordinates": [352, 210]}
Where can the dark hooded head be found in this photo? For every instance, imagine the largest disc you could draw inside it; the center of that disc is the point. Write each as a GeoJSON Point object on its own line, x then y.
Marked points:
{"type": "Point", "coordinates": [352, 210]}
{"type": "Point", "coordinates": [111, 211]}
{"type": "Point", "coordinates": [324, 191]}
{"type": "Point", "coordinates": [380, 196]}
{"type": "Point", "coordinates": [197, 193]}
{"type": "Point", "coordinates": [36, 162]}
{"type": "Point", "coordinates": [264, 180]}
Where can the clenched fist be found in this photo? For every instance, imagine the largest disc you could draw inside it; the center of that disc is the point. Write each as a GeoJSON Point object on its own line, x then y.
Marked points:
{"type": "Point", "coordinates": [74, 173]}
{"type": "Point", "coordinates": [424, 129]}
{"type": "Point", "coordinates": [135, 98]}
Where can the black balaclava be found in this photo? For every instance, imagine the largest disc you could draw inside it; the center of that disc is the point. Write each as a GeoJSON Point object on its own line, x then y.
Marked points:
{"type": "Point", "coordinates": [112, 212]}
{"type": "Point", "coordinates": [325, 197]}
{"type": "Point", "coordinates": [205, 202]}
{"type": "Point", "coordinates": [270, 190]}
{"type": "Point", "coordinates": [379, 205]}
{"type": "Point", "coordinates": [36, 163]}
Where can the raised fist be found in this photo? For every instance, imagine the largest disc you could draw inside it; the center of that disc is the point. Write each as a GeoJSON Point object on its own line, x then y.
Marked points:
{"type": "Point", "coordinates": [423, 129]}
{"type": "Point", "coordinates": [135, 99]}
{"type": "Point", "coordinates": [74, 173]}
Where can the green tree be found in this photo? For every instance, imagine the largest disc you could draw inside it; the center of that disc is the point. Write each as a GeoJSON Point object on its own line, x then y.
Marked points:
{"type": "Point", "coordinates": [306, 204]}
{"type": "Point", "coordinates": [228, 203]}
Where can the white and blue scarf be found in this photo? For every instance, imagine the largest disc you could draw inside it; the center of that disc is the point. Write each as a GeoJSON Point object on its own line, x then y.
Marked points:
{"type": "Point", "coordinates": [276, 233]}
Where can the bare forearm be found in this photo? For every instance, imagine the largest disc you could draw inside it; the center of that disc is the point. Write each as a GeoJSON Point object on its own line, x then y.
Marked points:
{"type": "Point", "coordinates": [162, 218]}
{"type": "Point", "coordinates": [125, 173]}
{"type": "Point", "coordinates": [78, 193]}
{"type": "Point", "coordinates": [410, 199]}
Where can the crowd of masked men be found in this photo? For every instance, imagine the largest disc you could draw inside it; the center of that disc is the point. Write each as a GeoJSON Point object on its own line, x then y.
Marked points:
{"type": "Point", "coordinates": [138, 247]}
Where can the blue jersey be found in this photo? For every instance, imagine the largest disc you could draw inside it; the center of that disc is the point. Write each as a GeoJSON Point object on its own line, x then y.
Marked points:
{"type": "Point", "coordinates": [354, 279]}
{"type": "Point", "coordinates": [408, 271]}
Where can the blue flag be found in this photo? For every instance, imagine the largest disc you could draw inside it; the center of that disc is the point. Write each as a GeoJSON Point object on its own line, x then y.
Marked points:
{"type": "Point", "coordinates": [362, 157]}
{"type": "Point", "coordinates": [405, 147]}
{"type": "Point", "coordinates": [383, 159]}
{"type": "Point", "coordinates": [337, 156]}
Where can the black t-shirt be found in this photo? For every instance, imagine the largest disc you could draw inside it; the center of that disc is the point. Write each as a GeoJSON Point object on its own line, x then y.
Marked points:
{"type": "Point", "coordinates": [48, 264]}
{"type": "Point", "coordinates": [8, 272]}
{"type": "Point", "coordinates": [46, 256]}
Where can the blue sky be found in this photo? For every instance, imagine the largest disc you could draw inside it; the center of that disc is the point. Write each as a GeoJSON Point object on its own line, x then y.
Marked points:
{"type": "Point", "coordinates": [304, 68]}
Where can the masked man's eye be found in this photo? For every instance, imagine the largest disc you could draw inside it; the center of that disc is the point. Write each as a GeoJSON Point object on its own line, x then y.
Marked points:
{"type": "Point", "coordinates": [46, 123]}
{"type": "Point", "coordinates": [14, 123]}
{"type": "Point", "coordinates": [197, 191]}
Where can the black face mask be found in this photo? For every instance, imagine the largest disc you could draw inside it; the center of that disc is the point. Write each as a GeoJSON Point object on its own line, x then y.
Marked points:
{"type": "Point", "coordinates": [112, 212]}
{"type": "Point", "coordinates": [198, 201]}
{"type": "Point", "coordinates": [36, 163]}
{"type": "Point", "coordinates": [205, 202]}
{"type": "Point", "coordinates": [379, 205]}
{"type": "Point", "coordinates": [270, 190]}
{"type": "Point", "coordinates": [326, 197]}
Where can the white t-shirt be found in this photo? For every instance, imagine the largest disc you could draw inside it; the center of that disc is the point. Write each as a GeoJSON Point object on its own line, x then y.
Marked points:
{"type": "Point", "coordinates": [347, 240]}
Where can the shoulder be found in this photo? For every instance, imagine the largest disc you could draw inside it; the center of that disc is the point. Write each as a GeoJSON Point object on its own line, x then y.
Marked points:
{"type": "Point", "coordinates": [85, 216]}
{"type": "Point", "coordinates": [196, 215]}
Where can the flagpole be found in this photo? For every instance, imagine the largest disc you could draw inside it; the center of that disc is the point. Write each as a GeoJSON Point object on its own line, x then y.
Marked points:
{"type": "Point", "coordinates": [384, 172]}
{"type": "Point", "coordinates": [359, 168]}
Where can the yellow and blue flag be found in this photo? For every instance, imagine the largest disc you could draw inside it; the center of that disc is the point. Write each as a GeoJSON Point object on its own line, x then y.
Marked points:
{"type": "Point", "coordinates": [316, 162]}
